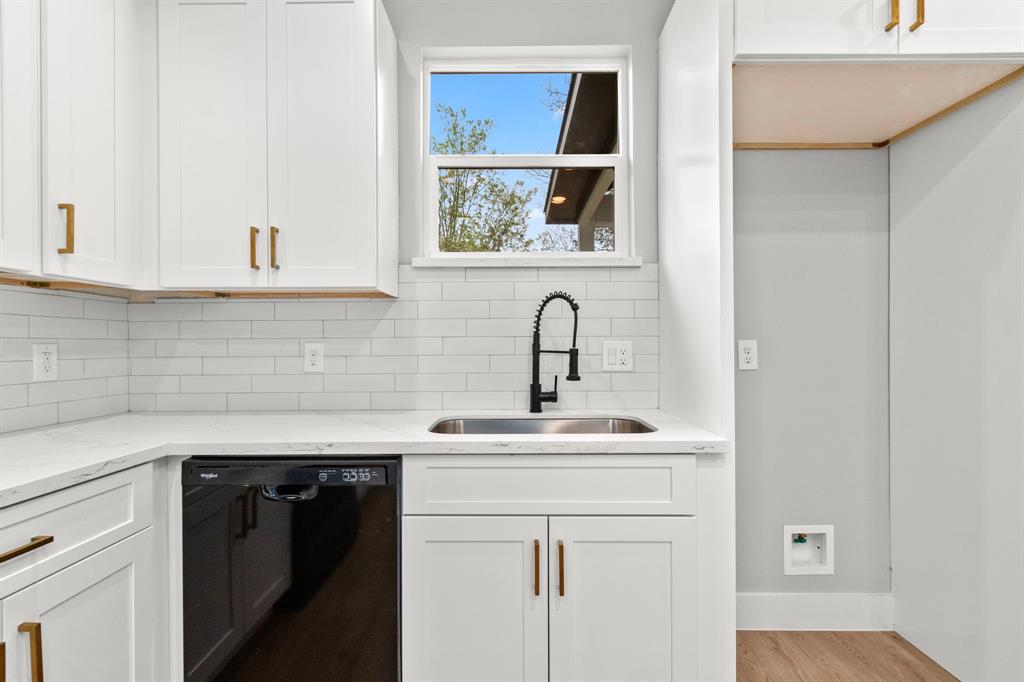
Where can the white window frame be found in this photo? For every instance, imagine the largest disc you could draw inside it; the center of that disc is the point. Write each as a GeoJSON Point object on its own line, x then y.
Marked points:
{"type": "Point", "coordinates": [587, 59]}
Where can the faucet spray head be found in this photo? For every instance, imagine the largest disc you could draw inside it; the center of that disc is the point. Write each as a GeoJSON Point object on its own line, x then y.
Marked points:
{"type": "Point", "coordinates": [574, 365]}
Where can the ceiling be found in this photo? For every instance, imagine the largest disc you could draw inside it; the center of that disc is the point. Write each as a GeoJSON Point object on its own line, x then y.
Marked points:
{"type": "Point", "coordinates": [843, 103]}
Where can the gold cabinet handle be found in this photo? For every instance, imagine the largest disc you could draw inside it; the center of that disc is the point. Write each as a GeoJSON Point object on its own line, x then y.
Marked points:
{"type": "Point", "coordinates": [894, 20]}
{"type": "Point", "coordinates": [561, 569]}
{"type": "Point", "coordinates": [3, 662]}
{"type": "Point", "coordinates": [920, 16]}
{"type": "Point", "coordinates": [273, 248]}
{"type": "Point", "coordinates": [69, 227]}
{"type": "Point", "coordinates": [35, 543]}
{"type": "Point", "coordinates": [253, 231]}
{"type": "Point", "coordinates": [35, 642]}
{"type": "Point", "coordinates": [536, 568]}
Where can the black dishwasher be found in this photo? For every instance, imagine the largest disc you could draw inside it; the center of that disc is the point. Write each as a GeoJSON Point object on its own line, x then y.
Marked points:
{"type": "Point", "coordinates": [290, 569]}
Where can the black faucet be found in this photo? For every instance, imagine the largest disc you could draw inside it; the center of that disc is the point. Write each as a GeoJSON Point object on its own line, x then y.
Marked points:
{"type": "Point", "coordinates": [538, 396]}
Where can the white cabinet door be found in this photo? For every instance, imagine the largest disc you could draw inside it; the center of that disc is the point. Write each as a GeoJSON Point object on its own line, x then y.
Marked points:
{"type": "Point", "coordinates": [19, 136]}
{"type": "Point", "coordinates": [95, 618]}
{"type": "Point", "coordinates": [801, 27]}
{"type": "Point", "coordinates": [92, 89]}
{"type": "Point", "coordinates": [963, 27]}
{"type": "Point", "coordinates": [472, 609]}
{"type": "Point", "coordinates": [627, 605]}
{"type": "Point", "coordinates": [322, 136]}
{"type": "Point", "coordinates": [213, 142]}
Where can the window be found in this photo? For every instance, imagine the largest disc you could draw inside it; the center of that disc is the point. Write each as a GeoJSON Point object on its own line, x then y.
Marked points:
{"type": "Point", "coordinates": [526, 160]}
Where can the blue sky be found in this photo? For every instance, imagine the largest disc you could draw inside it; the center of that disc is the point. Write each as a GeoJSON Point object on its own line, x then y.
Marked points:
{"type": "Point", "coordinates": [522, 123]}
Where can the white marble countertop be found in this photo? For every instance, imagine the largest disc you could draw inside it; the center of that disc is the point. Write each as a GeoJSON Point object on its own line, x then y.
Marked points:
{"type": "Point", "coordinates": [39, 461]}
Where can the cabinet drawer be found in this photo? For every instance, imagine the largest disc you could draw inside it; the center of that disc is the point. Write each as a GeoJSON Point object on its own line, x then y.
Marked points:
{"type": "Point", "coordinates": [545, 484]}
{"type": "Point", "coordinates": [82, 520]}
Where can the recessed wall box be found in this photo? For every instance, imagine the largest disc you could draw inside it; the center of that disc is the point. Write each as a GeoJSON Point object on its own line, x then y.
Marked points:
{"type": "Point", "coordinates": [809, 550]}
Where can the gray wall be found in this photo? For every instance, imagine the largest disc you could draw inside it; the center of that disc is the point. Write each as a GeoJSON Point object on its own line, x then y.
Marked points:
{"type": "Point", "coordinates": [958, 388]}
{"type": "Point", "coordinates": [812, 423]}
{"type": "Point", "coordinates": [447, 23]}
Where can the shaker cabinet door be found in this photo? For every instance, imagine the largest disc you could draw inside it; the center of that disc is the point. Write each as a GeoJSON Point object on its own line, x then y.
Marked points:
{"type": "Point", "coordinates": [322, 136]}
{"type": "Point", "coordinates": [92, 138]}
{"type": "Point", "coordinates": [474, 602]}
{"type": "Point", "coordinates": [91, 621]}
{"type": "Point", "coordinates": [963, 27]}
{"type": "Point", "coordinates": [814, 27]}
{"type": "Point", "coordinates": [19, 136]}
{"type": "Point", "coordinates": [213, 143]}
{"type": "Point", "coordinates": [623, 593]}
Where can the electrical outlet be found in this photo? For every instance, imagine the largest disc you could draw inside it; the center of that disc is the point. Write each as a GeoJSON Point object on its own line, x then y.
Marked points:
{"type": "Point", "coordinates": [617, 356]}
{"type": "Point", "coordinates": [746, 354]}
{"type": "Point", "coordinates": [44, 362]}
{"type": "Point", "coordinates": [313, 358]}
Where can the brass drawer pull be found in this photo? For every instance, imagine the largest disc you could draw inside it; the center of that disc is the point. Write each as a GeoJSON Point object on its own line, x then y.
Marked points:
{"type": "Point", "coordinates": [253, 231]}
{"type": "Point", "coordinates": [69, 228]}
{"type": "Point", "coordinates": [35, 543]}
{"type": "Point", "coordinates": [35, 642]}
{"type": "Point", "coordinates": [561, 569]}
{"type": "Point", "coordinates": [273, 247]}
{"type": "Point", "coordinates": [920, 16]}
{"type": "Point", "coordinates": [536, 568]}
{"type": "Point", "coordinates": [894, 21]}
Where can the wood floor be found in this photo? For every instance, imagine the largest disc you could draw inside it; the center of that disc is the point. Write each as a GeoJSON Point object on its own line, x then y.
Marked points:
{"type": "Point", "coordinates": [773, 656]}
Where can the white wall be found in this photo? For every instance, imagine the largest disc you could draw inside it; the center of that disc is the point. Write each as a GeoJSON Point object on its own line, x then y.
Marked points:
{"type": "Point", "coordinates": [958, 388]}
{"type": "Point", "coordinates": [464, 23]}
{"type": "Point", "coordinates": [812, 288]}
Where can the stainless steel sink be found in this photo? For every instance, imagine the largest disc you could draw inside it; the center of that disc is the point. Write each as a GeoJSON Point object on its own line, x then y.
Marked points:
{"type": "Point", "coordinates": [540, 425]}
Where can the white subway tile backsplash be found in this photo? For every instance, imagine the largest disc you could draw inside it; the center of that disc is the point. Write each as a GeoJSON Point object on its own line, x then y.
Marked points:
{"type": "Point", "coordinates": [406, 346]}
{"type": "Point", "coordinates": [238, 310]}
{"type": "Point", "coordinates": [453, 309]}
{"type": "Point", "coordinates": [288, 329]}
{"type": "Point", "coordinates": [216, 383]}
{"type": "Point", "coordinates": [197, 348]}
{"type": "Point", "coordinates": [13, 326]}
{"type": "Point", "coordinates": [455, 339]}
{"type": "Point", "coordinates": [486, 345]}
{"type": "Point", "coordinates": [360, 329]}
{"type": "Point", "coordinates": [240, 365]}
{"type": "Point", "coordinates": [454, 363]}
{"type": "Point", "coordinates": [311, 310]}
{"type": "Point", "coordinates": [161, 310]}
{"type": "Point", "coordinates": [216, 329]}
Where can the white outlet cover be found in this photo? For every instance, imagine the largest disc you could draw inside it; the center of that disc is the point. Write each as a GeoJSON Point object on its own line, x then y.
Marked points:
{"type": "Point", "coordinates": [746, 354]}
{"type": "Point", "coordinates": [617, 356]}
{"type": "Point", "coordinates": [313, 358]}
{"type": "Point", "coordinates": [44, 362]}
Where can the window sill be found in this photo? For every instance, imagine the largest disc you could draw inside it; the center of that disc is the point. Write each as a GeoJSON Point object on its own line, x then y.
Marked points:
{"type": "Point", "coordinates": [527, 261]}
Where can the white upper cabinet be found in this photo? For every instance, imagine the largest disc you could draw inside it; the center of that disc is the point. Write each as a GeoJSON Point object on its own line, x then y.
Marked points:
{"type": "Point", "coordinates": [91, 138]}
{"type": "Point", "coordinates": [859, 27]}
{"type": "Point", "coordinates": [213, 143]}
{"type": "Point", "coordinates": [19, 136]}
{"type": "Point", "coordinates": [623, 598]}
{"type": "Point", "coordinates": [273, 115]}
{"type": "Point", "coordinates": [963, 27]}
{"type": "Point", "coordinates": [813, 27]}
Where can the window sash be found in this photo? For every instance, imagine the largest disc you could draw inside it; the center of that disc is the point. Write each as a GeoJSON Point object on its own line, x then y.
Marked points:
{"type": "Point", "coordinates": [619, 161]}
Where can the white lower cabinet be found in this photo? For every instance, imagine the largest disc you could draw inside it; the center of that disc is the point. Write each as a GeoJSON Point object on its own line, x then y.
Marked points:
{"type": "Point", "coordinates": [90, 621]}
{"type": "Point", "coordinates": [539, 598]}
{"type": "Point", "coordinates": [471, 607]}
{"type": "Point", "coordinates": [623, 598]}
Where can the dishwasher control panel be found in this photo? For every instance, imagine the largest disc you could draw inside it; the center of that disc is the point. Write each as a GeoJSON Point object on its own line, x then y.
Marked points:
{"type": "Point", "coordinates": [221, 471]}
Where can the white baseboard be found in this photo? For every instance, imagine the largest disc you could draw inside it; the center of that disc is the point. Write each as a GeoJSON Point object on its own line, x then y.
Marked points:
{"type": "Point", "coordinates": [814, 611]}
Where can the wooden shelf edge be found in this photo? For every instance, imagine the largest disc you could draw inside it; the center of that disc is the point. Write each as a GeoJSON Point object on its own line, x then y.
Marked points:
{"type": "Point", "coordinates": [145, 296]}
